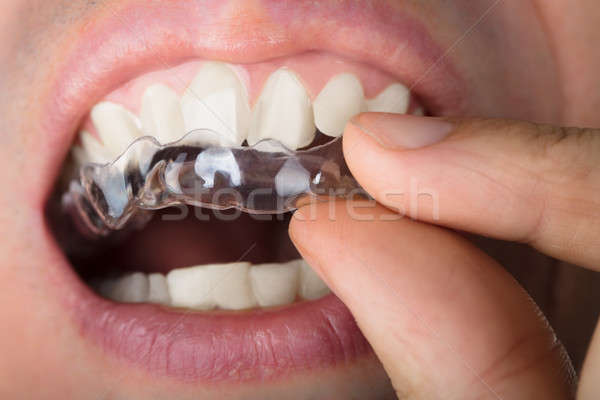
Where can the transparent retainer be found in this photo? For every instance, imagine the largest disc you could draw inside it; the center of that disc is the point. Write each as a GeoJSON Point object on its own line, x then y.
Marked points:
{"type": "Point", "coordinates": [198, 170]}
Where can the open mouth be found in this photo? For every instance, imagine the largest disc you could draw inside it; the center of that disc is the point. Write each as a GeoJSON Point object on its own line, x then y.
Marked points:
{"type": "Point", "coordinates": [207, 295]}
{"type": "Point", "coordinates": [194, 259]}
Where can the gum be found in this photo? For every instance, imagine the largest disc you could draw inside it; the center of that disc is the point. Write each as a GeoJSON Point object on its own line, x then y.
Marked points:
{"type": "Point", "coordinates": [313, 68]}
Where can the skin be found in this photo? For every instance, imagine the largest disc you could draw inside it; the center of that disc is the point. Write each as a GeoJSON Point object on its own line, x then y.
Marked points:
{"type": "Point", "coordinates": [479, 336]}
{"type": "Point", "coordinates": [527, 60]}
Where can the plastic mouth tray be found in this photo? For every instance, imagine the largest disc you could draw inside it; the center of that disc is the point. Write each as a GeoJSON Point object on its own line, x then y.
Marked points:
{"type": "Point", "coordinates": [197, 170]}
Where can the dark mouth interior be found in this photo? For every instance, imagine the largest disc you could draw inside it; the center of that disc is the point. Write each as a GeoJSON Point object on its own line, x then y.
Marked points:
{"type": "Point", "coordinates": [202, 237]}
{"type": "Point", "coordinates": [177, 237]}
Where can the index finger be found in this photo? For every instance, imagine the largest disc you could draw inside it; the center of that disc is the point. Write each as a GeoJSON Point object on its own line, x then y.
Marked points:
{"type": "Point", "coordinates": [510, 180]}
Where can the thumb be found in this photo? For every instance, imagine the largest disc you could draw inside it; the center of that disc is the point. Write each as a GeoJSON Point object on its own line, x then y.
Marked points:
{"type": "Point", "coordinates": [510, 180]}
{"type": "Point", "coordinates": [445, 320]}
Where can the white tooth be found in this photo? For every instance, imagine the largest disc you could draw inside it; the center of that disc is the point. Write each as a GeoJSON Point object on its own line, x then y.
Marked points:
{"type": "Point", "coordinates": [158, 291]}
{"type": "Point", "coordinates": [418, 112]}
{"type": "Point", "coordinates": [93, 151]}
{"type": "Point", "coordinates": [204, 287]}
{"type": "Point", "coordinates": [131, 288]}
{"type": "Point", "coordinates": [217, 100]}
{"type": "Point", "coordinates": [79, 155]}
{"type": "Point", "coordinates": [311, 285]}
{"type": "Point", "coordinates": [341, 99]}
{"type": "Point", "coordinates": [283, 112]}
{"type": "Point", "coordinates": [233, 291]}
{"type": "Point", "coordinates": [217, 159]}
{"type": "Point", "coordinates": [275, 284]}
{"type": "Point", "coordinates": [292, 179]}
{"type": "Point", "coordinates": [117, 127]}
{"type": "Point", "coordinates": [161, 114]}
{"type": "Point", "coordinates": [191, 287]}
{"type": "Point", "coordinates": [172, 174]}
{"type": "Point", "coordinates": [270, 146]}
{"type": "Point", "coordinates": [394, 99]}
{"type": "Point", "coordinates": [206, 138]}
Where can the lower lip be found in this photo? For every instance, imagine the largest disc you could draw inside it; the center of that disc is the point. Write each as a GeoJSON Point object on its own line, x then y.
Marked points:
{"type": "Point", "coordinates": [251, 346]}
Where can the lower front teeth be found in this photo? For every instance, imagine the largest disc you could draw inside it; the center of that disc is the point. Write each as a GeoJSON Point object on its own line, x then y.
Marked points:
{"type": "Point", "coordinates": [209, 286]}
{"type": "Point", "coordinates": [234, 286]}
{"type": "Point", "coordinates": [275, 284]}
{"type": "Point", "coordinates": [158, 290]}
{"type": "Point", "coordinates": [131, 288]}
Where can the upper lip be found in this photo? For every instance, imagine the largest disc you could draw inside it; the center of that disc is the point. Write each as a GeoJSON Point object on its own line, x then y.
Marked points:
{"type": "Point", "coordinates": [139, 36]}
{"type": "Point", "coordinates": [125, 42]}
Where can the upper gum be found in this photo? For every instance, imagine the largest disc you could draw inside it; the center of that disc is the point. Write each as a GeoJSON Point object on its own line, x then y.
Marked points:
{"type": "Point", "coordinates": [313, 69]}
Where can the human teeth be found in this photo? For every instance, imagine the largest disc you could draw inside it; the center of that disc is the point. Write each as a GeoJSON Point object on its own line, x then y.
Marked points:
{"type": "Point", "coordinates": [292, 179]}
{"type": "Point", "coordinates": [216, 104]}
{"type": "Point", "coordinates": [191, 287]}
{"type": "Point", "coordinates": [394, 99]}
{"type": "Point", "coordinates": [217, 161]}
{"type": "Point", "coordinates": [204, 287]}
{"type": "Point", "coordinates": [172, 174]}
{"type": "Point", "coordinates": [418, 112]}
{"type": "Point", "coordinates": [232, 291]}
{"type": "Point", "coordinates": [116, 127]}
{"type": "Point", "coordinates": [233, 286]}
{"type": "Point", "coordinates": [91, 150]}
{"type": "Point", "coordinates": [161, 114]}
{"type": "Point", "coordinates": [275, 284]}
{"type": "Point", "coordinates": [131, 288]}
{"type": "Point", "coordinates": [79, 155]}
{"type": "Point", "coordinates": [311, 285]}
{"type": "Point", "coordinates": [217, 100]}
{"type": "Point", "coordinates": [158, 292]}
{"type": "Point", "coordinates": [341, 99]}
{"type": "Point", "coordinates": [283, 112]}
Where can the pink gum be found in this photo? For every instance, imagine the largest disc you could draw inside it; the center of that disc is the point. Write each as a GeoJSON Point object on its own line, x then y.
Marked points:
{"type": "Point", "coordinates": [314, 70]}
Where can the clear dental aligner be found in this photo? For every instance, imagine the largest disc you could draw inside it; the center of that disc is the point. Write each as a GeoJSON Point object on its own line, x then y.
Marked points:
{"type": "Point", "coordinates": [200, 170]}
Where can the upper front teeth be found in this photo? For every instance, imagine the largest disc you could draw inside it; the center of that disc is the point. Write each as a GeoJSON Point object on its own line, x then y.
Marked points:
{"type": "Point", "coordinates": [341, 99]}
{"type": "Point", "coordinates": [161, 114]}
{"type": "Point", "coordinates": [116, 126]}
{"type": "Point", "coordinates": [284, 112]}
{"type": "Point", "coordinates": [217, 99]}
{"type": "Point", "coordinates": [234, 286]}
{"type": "Point", "coordinates": [394, 99]}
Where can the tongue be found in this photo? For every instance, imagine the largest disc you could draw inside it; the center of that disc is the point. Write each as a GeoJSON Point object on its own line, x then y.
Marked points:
{"type": "Point", "coordinates": [202, 237]}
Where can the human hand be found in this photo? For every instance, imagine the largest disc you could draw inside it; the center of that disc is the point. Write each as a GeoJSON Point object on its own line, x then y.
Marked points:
{"type": "Point", "coordinates": [445, 319]}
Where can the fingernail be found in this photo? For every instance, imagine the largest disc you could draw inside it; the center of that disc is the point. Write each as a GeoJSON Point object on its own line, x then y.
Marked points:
{"type": "Point", "coordinates": [403, 131]}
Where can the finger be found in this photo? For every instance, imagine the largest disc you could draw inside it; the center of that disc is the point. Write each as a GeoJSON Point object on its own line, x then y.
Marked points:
{"type": "Point", "coordinates": [510, 180]}
{"type": "Point", "coordinates": [445, 320]}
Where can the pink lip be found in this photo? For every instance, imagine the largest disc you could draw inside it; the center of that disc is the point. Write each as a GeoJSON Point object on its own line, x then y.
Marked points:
{"type": "Point", "coordinates": [209, 348]}
{"type": "Point", "coordinates": [138, 37]}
